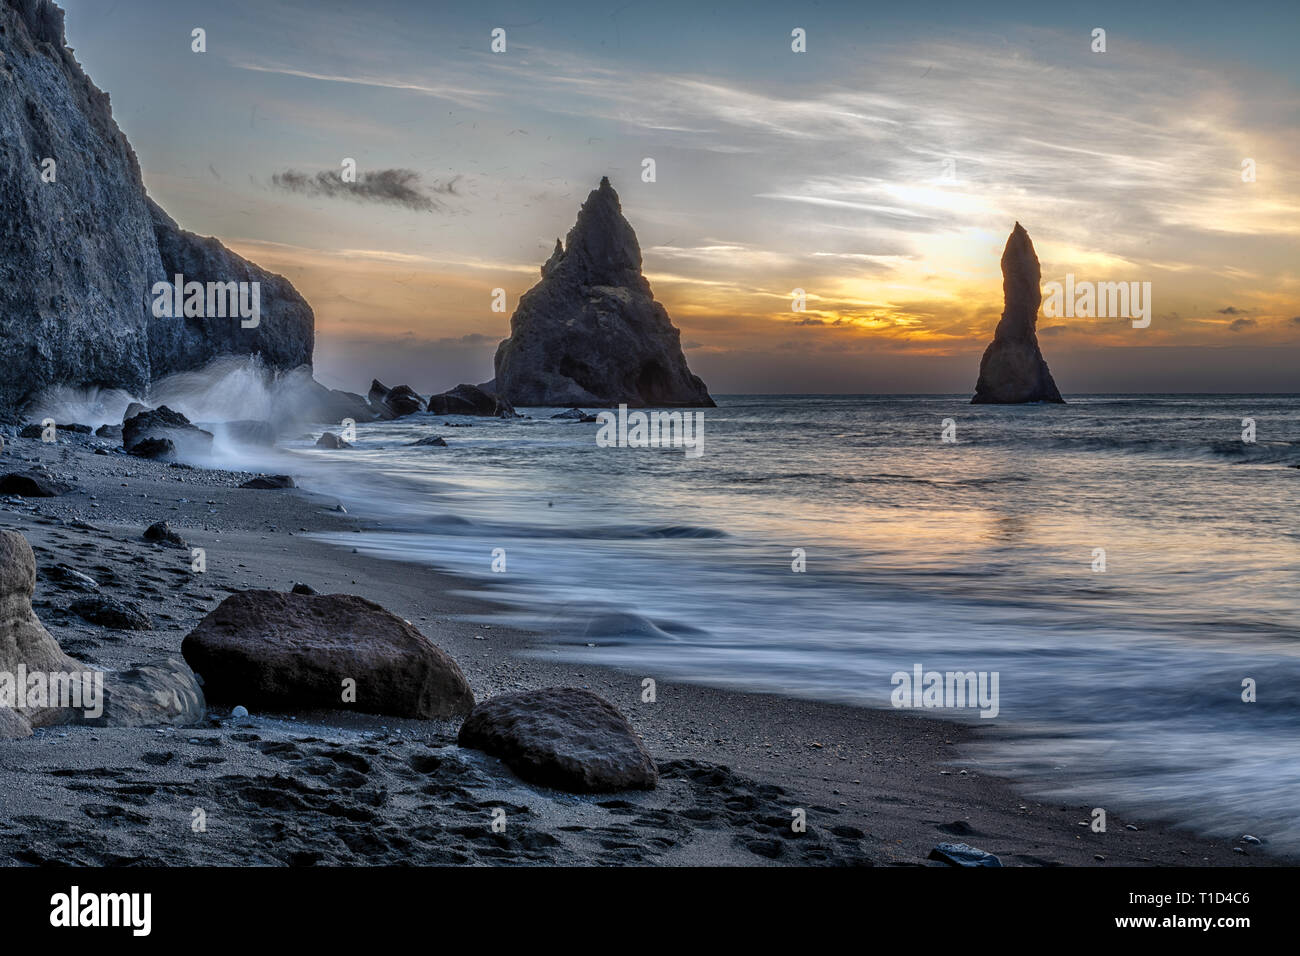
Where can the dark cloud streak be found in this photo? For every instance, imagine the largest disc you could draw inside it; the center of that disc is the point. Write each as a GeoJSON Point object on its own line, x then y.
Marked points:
{"type": "Point", "coordinates": [396, 187]}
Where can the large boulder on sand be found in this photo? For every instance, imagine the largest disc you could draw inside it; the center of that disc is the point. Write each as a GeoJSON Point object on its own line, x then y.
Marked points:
{"type": "Point", "coordinates": [562, 737]}
{"type": "Point", "coordinates": [23, 639]}
{"type": "Point", "coordinates": [292, 651]}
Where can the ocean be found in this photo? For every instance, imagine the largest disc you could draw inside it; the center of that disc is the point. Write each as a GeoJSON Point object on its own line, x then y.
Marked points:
{"type": "Point", "coordinates": [1127, 567]}
{"type": "Point", "coordinates": [1123, 678]}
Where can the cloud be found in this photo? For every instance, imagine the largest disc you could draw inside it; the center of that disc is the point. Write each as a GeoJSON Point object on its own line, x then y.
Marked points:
{"type": "Point", "coordinates": [396, 187]}
{"type": "Point", "coordinates": [1236, 325]}
{"type": "Point", "coordinates": [1231, 310]}
{"type": "Point", "coordinates": [455, 94]}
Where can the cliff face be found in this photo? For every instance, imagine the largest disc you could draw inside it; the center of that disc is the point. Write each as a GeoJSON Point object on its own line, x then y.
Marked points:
{"type": "Point", "coordinates": [79, 255]}
{"type": "Point", "coordinates": [590, 332]}
{"type": "Point", "coordinates": [1013, 370]}
{"type": "Point", "coordinates": [284, 336]}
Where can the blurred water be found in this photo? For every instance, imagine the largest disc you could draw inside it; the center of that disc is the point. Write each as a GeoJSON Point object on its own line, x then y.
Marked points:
{"type": "Point", "coordinates": [1122, 687]}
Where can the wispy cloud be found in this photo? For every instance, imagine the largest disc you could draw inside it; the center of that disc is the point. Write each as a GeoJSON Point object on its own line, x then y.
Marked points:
{"type": "Point", "coordinates": [460, 95]}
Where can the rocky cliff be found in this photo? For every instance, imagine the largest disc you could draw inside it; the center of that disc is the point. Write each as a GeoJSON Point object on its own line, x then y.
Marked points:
{"type": "Point", "coordinates": [1013, 370]}
{"type": "Point", "coordinates": [81, 245]}
{"type": "Point", "coordinates": [590, 332]}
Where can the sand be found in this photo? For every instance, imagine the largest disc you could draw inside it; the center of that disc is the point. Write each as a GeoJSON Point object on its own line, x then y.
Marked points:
{"type": "Point", "coordinates": [877, 787]}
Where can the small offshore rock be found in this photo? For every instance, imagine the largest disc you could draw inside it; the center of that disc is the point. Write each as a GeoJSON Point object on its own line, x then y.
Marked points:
{"type": "Point", "coordinates": [331, 441]}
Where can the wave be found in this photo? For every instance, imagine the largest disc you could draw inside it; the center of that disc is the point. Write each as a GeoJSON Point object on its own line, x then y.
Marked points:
{"type": "Point", "coordinates": [1224, 451]}
{"type": "Point", "coordinates": [228, 389]}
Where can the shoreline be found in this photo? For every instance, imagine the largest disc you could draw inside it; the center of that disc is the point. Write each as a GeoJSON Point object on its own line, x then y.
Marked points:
{"type": "Point", "coordinates": [879, 787]}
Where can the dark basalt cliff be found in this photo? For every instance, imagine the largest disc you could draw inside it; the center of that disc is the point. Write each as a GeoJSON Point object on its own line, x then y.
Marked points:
{"type": "Point", "coordinates": [590, 332]}
{"type": "Point", "coordinates": [80, 254]}
{"type": "Point", "coordinates": [1013, 370]}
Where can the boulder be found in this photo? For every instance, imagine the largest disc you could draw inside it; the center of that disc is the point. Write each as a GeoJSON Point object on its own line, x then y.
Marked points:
{"type": "Point", "coordinates": [590, 332]}
{"type": "Point", "coordinates": [1013, 370]}
{"type": "Point", "coordinates": [962, 854]}
{"type": "Point", "coordinates": [68, 579]}
{"type": "Point", "coordinates": [24, 641]}
{"type": "Point", "coordinates": [158, 449]}
{"type": "Point", "coordinates": [160, 532]}
{"type": "Point", "coordinates": [431, 442]}
{"type": "Point", "coordinates": [109, 431]}
{"type": "Point", "coordinates": [32, 484]}
{"type": "Point", "coordinates": [562, 737]}
{"type": "Point", "coordinates": [272, 650]}
{"type": "Point", "coordinates": [470, 400]}
{"type": "Point", "coordinates": [394, 402]}
{"type": "Point", "coordinates": [269, 482]}
{"type": "Point", "coordinates": [109, 612]}
{"type": "Point", "coordinates": [159, 425]}
{"type": "Point", "coordinates": [144, 695]}
{"type": "Point", "coordinates": [331, 441]}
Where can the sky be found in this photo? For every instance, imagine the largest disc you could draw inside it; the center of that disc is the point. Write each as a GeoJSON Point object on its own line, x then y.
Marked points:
{"type": "Point", "coordinates": [880, 171]}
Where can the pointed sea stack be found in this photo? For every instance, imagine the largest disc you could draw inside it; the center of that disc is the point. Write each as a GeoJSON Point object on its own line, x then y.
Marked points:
{"type": "Point", "coordinates": [590, 332]}
{"type": "Point", "coordinates": [1013, 370]}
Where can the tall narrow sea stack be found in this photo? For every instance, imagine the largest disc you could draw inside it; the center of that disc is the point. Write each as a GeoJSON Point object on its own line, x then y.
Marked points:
{"type": "Point", "coordinates": [1013, 370]}
{"type": "Point", "coordinates": [590, 332]}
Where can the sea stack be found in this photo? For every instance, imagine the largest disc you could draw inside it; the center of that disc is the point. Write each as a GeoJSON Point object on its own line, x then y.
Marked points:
{"type": "Point", "coordinates": [590, 332]}
{"type": "Point", "coordinates": [1013, 370]}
